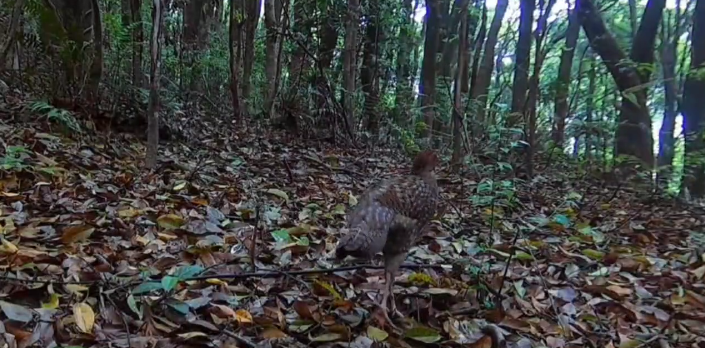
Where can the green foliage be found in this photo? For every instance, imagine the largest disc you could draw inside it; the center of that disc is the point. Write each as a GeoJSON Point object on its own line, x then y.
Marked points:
{"type": "Point", "coordinates": [55, 115]}
{"type": "Point", "coordinates": [697, 73]}
{"type": "Point", "coordinates": [14, 159]}
{"type": "Point", "coordinates": [168, 282]}
{"type": "Point", "coordinates": [46, 20]}
{"type": "Point", "coordinates": [497, 188]}
{"type": "Point", "coordinates": [19, 158]}
{"type": "Point", "coordinates": [407, 140]}
{"type": "Point", "coordinates": [495, 193]}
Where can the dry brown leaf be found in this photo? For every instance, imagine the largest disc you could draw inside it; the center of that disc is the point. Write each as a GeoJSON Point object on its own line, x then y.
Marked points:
{"type": "Point", "coordinates": [243, 316]}
{"type": "Point", "coordinates": [76, 233]}
{"type": "Point", "coordinates": [272, 333]}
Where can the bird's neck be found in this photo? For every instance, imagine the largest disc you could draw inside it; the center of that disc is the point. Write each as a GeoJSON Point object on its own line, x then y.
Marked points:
{"type": "Point", "coordinates": [428, 177]}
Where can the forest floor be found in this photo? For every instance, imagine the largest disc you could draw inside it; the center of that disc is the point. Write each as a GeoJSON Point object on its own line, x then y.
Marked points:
{"type": "Point", "coordinates": [96, 250]}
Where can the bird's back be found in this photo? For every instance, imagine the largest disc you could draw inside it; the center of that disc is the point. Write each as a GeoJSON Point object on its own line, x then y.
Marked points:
{"type": "Point", "coordinates": [393, 211]}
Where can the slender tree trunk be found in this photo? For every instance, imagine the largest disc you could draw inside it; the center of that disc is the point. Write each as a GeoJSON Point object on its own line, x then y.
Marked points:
{"type": "Point", "coordinates": [96, 70]}
{"type": "Point", "coordinates": [9, 37]}
{"type": "Point", "coordinates": [193, 41]}
{"type": "Point", "coordinates": [545, 9]}
{"type": "Point", "coordinates": [137, 41]}
{"type": "Point", "coordinates": [156, 56]}
{"type": "Point", "coordinates": [350, 62]}
{"type": "Point", "coordinates": [234, 38]}
{"type": "Point", "coordinates": [633, 17]}
{"type": "Point", "coordinates": [563, 81]}
{"type": "Point", "coordinates": [481, 84]}
{"type": "Point", "coordinates": [326, 50]}
{"type": "Point", "coordinates": [403, 93]}
{"type": "Point", "coordinates": [272, 22]}
{"type": "Point", "coordinates": [522, 63]}
{"type": "Point", "coordinates": [252, 13]}
{"type": "Point", "coordinates": [633, 136]}
{"type": "Point", "coordinates": [669, 55]}
{"type": "Point", "coordinates": [590, 105]}
{"type": "Point", "coordinates": [693, 112]}
{"type": "Point", "coordinates": [427, 89]}
{"type": "Point", "coordinates": [458, 118]}
{"type": "Point", "coordinates": [369, 75]}
{"type": "Point", "coordinates": [474, 47]}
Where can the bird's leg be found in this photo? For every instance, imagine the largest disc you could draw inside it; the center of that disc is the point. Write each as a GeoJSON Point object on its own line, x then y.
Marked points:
{"type": "Point", "coordinates": [383, 307]}
{"type": "Point", "coordinates": [389, 278]}
{"type": "Point", "coordinates": [391, 265]}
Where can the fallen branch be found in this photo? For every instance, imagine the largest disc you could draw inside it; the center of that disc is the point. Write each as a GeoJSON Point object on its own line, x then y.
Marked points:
{"type": "Point", "coordinates": [278, 273]}
{"type": "Point", "coordinates": [268, 274]}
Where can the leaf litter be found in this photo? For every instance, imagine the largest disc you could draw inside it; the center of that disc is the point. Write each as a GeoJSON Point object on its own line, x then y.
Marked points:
{"type": "Point", "coordinates": [229, 244]}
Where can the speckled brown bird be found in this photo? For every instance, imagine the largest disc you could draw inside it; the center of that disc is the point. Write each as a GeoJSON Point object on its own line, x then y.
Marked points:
{"type": "Point", "coordinates": [390, 217]}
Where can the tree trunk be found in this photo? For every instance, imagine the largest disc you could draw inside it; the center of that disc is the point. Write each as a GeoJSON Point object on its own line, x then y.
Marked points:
{"type": "Point", "coordinates": [458, 118]}
{"type": "Point", "coordinates": [590, 106]}
{"type": "Point", "coordinates": [693, 112]}
{"type": "Point", "coordinates": [96, 70]}
{"type": "Point", "coordinates": [252, 12]}
{"type": "Point", "coordinates": [606, 107]}
{"type": "Point", "coordinates": [427, 88]}
{"type": "Point", "coordinates": [448, 59]}
{"type": "Point", "coordinates": [137, 41]}
{"type": "Point", "coordinates": [562, 85]}
{"type": "Point", "coordinates": [481, 84]}
{"type": "Point", "coordinates": [633, 136]}
{"type": "Point", "coordinates": [235, 31]}
{"type": "Point", "coordinates": [403, 93]}
{"type": "Point", "coordinates": [195, 39]}
{"type": "Point", "coordinates": [76, 26]}
{"type": "Point", "coordinates": [299, 65]}
{"type": "Point", "coordinates": [669, 55]}
{"type": "Point", "coordinates": [350, 62]}
{"type": "Point", "coordinates": [632, 17]}
{"type": "Point", "coordinates": [369, 73]}
{"type": "Point", "coordinates": [522, 63]}
{"type": "Point", "coordinates": [9, 37]}
{"type": "Point", "coordinates": [534, 92]}
{"type": "Point", "coordinates": [326, 50]}
{"type": "Point", "coordinates": [416, 53]}
{"type": "Point", "coordinates": [272, 22]}
{"type": "Point", "coordinates": [153, 110]}
{"type": "Point", "coordinates": [475, 46]}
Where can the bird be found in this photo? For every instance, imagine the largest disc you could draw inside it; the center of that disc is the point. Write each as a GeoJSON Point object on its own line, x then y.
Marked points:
{"type": "Point", "coordinates": [389, 217]}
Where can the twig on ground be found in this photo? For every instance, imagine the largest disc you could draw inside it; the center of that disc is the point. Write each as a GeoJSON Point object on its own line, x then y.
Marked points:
{"type": "Point", "coordinates": [268, 274]}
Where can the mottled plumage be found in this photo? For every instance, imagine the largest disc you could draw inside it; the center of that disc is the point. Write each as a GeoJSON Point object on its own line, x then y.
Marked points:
{"type": "Point", "coordinates": [390, 217]}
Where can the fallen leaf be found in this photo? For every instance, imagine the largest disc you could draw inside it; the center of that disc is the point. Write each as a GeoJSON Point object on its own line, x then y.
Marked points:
{"type": "Point", "coordinates": [423, 334]}
{"type": "Point", "coordinates": [279, 193]}
{"type": "Point", "coordinates": [170, 221]}
{"type": "Point", "coordinates": [243, 316]}
{"type": "Point", "coordinates": [84, 316]}
{"type": "Point", "coordinates": [6, 247]}
{"type": "Point", "coordinates": [376, 334]}
{"type": "Point", "coordinates": [272, 333]}
{"type": "Point", "coordinates": [76, 233]}
{"type": "Point", "coordinates": [327, 337]}
{"type": "Point", "coordinates": [16, 312]}
{"type": "Point", "coordinates": [53, 302]}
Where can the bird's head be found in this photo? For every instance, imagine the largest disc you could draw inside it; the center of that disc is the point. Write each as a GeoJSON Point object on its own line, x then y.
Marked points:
{"type": "Point", "coordinates": [425, 162]}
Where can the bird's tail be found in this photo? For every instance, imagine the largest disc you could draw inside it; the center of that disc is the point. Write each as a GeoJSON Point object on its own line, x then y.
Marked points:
{"type": "Point", "coordinates": [363, 241]}
{"type": "Point", "coordinates": [368, 229]}
{"type": "Point", "coordinates": [350, 244]}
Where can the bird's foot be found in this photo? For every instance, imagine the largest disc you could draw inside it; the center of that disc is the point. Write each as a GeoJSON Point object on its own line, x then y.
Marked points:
{"type": "Point", "coordinates": [385, 315]}
{"type": "Point", "coordinates": [388, 304]}
{"type": "Point", "coordinates": [395, 312]}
